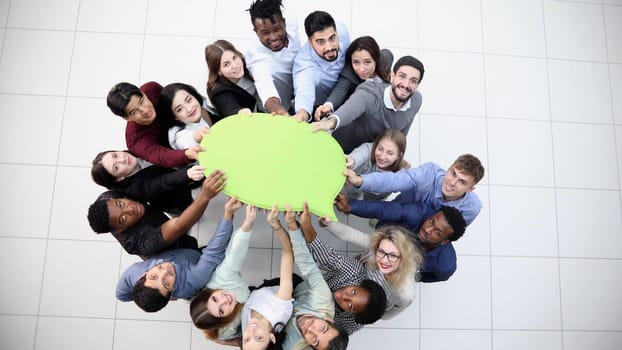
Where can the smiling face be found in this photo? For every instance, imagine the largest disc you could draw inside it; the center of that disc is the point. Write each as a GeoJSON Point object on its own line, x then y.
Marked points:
{"type": "Point", "coordinates": [140, 110]}
{"type": "Point", "coordinates": [404, 83]}
{"type": "Point", "coordinates": [221, 303]}
{"type": "Point", "coordinates": [317, 331]}
{"type": "Point", "coordinates": [257, 334]}
{"type": "Point", "coordinates": [186, 107]}
{"type": "Point", "coordinates": [388, 256]}
{"type": "Point", "coordinates": [231, 66]}
{"type": "Point", "coordinates": [162, 277]}
{"type": "Point", "coordinates": [120, 164]}
{"type": "Point", "coordinates": [386, 153]}
{"type": "Point", "coordinates": [456, 184]}
{"type": "Point", "coordinates": [123, 213]}
{"type": "Point", "coordinates": [351, 299]}
{"type": "Point", "coordinates": [363, 64]}
{"type": "Point", "coordinates": [271, 34]}
{"type": "Point", "coordinates": [326, 43]}
{"type": "Point", "coordinates": [435, 231]}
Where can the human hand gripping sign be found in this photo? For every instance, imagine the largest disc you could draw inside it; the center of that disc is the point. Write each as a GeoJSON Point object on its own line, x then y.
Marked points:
{"type": "Point", "coordinates": [275, 159]}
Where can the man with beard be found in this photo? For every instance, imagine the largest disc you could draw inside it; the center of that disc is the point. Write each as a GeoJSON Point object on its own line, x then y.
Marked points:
{"type": "Point", "coordinates": [376, 106]}
{"type": "Point", "coordinates": [318, 64]}
{"type": "Point", "coordinates": [271, 60]}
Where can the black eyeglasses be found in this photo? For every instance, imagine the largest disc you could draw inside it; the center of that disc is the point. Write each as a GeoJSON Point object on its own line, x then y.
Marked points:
{"type": "Point", "coordinates": [392, 257]}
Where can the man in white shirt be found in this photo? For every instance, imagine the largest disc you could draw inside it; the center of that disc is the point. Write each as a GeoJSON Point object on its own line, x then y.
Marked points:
{"type": "Point", "coordinates": [270, 61]}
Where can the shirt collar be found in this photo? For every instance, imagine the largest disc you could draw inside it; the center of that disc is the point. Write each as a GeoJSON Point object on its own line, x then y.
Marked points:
{"type": "Point", "coordinates": [389, 104]}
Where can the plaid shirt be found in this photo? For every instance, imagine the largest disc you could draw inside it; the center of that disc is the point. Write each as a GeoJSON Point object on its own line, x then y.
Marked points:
{"type": "Point", "coordinates": [340, 271]}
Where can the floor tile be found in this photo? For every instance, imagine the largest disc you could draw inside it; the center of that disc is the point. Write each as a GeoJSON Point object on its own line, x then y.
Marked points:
{"type": "Point", "coordinates": [452, 339]}
{"type": "Point", "coordinates": [580, 148]}
{"type": "Point", "coordinates": [187, 61]}
{"type": "Point", "coordinates": [538, 224]}
{"type": "Point", "coordinates": [513, 27]}
{"type": "Point", "coordinates": [587, 303]}
{"type": "Point", "coordinates": [585, 340]}
{"type": "Point", "coordinates": [232, 21]}
{"type": "Point", "coordinates": [476, 238]}
{"type": "Point", "coordinates": [615, 77]}
{"type": "Point", "coordinates": [89, 128]}
{"type": "Point", "coordinates": [200, 342]}
{"type": "Point", "coordinates": [95, 278]}
{"type": "Point", "coordinates": [18, 332]}
{"type": "Point", "coordinates": [408, 318]}
{"type": "Point", "coordinates": [46, 113]}
{"type": "Point", "coordinates": [525, 293]}
{"type": "Point", "coordinates": [455, 77]}
{"type": "Point", "coordinates": [441, 309]}
{"type": "Point", "coordinates": [193, 17]}
{"type": "Point", "coordinates": [115, 16]}
{"type": "Point", "coordinates": [526, 339]}
{"type": "Point", "coordinates": [575, 31]}
{"type": "Point", "coordinates": [506, 95]}
{"type": "Point", "coordinates": [374, 338]}
{"type": "Point", "coordinates": [619, 149]}
{"type": "Point", "coordinates": [23, 261]}
{"type": "Point", "coordinates": [4, 12]}
{"type": "Point", "coordinates": [59, 14]}
{"type": "Point", "coordinates": [613, 27]}
{"type": "Point", "coordinates": [70, 203]}
{"type": "Point", "coordinates": [257, 266]}
{"type": "Point", "coordinates": [364, 22]}
{"type": "Point", "coordinates": [40, 181]}
{"type": "Point", "coordinates": [103, 50]}
{"type": "Point", "coordinates": [130, 334]}
{"type": "Point", "coordinates": [467, 135]}
{"type": "Point", "coordinates": [512, 142]}
{"type": "Point", "coordinates": [589, 101]}
{"type": "Point", "coordinates": [450, 25]}
{"type": "Point", "coordinates": [584, 238]}
{"type": "Point", "coordinates": [74, 333]}
{"type": "Point", "coordinates": [21, 65]}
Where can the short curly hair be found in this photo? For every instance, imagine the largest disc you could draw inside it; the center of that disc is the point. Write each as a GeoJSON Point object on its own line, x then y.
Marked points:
{"type": "Point", "coordinates": [98, 215]}
{"type": "Point", "coordinates": [455, 220]}
{"type": "Point", "coordinates": [375, 306]}
{"type": "Point", "coordinates": [147, 298]}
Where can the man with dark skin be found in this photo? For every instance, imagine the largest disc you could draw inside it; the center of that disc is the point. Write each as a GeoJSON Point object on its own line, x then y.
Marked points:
{"type": "Point", "coordinates": [433, 230]}
{"type": "Point", "coordinates": [146, 231]}
{"type": "Point", "coordinates": [271, 61]}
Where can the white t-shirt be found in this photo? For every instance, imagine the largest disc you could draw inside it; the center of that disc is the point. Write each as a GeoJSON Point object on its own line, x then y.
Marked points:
{"type": "Point", "coordinates": [265, 302]}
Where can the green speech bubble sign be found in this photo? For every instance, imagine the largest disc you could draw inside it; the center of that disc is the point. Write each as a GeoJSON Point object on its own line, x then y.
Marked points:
{"type": "Point", "coordinates": [275, 160]}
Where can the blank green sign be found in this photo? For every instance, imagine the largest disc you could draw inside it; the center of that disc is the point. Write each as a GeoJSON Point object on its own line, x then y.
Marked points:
{"type": "Point", "coordinates": [275, 160]}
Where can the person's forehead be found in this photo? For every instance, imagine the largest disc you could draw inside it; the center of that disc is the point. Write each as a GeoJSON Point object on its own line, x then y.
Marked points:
{"type": "Point", "coordinates": [324, 33]}
{"type": "Point", "coordinates": [388, 244]}
{"type": "Point", "coordinates": [441, 222]}
{"type": "Point", "coordinates": [268, 22]}
{"type": "Point", "coordinates": [461, 173]}
{"type": "Point", "coordinates": [409, 71]}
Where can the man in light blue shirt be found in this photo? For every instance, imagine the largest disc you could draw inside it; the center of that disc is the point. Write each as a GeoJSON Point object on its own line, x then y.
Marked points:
{"type": "Point", "coordinates": [430, 184]}
{"type": "Point", "coordinates": [178, 273]}
{"type": "Point", "coordinates": [318, 64]}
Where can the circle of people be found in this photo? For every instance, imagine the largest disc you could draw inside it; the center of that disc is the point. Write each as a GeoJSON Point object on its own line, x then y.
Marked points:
{"type": "Point", "coordinates": [157, 192]}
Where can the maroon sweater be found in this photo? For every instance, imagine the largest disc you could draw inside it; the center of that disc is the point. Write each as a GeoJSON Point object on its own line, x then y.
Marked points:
{"type": "Point", "coordinates": [150, 142]}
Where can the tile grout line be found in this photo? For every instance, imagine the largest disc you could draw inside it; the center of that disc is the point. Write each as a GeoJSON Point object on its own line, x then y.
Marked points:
{"type": "Point", "coordinates": [555, 188]}
{"type": "Point", "coordinates": [487, 130]}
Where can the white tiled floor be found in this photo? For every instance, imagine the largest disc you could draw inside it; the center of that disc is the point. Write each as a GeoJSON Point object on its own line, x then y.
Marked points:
{"type": "Point", "coordinates": [533, 87]}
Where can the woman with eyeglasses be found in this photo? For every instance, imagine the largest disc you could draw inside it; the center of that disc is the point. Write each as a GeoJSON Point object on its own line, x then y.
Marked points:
{"type": "Point", "coordinates": [390, 251]}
